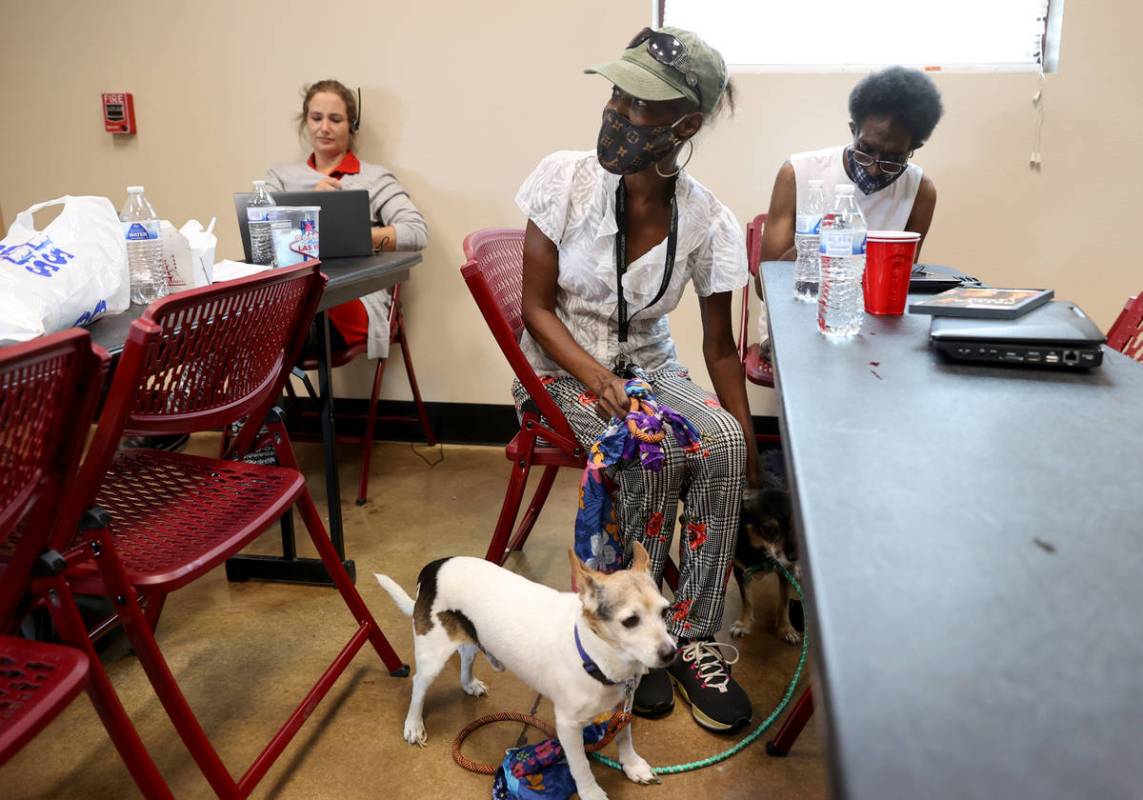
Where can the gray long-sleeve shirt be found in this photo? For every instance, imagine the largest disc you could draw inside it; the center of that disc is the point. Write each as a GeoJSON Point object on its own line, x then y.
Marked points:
{"type": "Point", "coordinates": [389, 203]}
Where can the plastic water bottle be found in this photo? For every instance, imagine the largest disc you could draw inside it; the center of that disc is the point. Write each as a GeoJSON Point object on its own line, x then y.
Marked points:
{"type": "Point", "coordinates": [807, 269]}
{"type": "Point", "coordinates": [144, 248]}
{"type": "Point", "coordinates": [261, 237]}
{"type": "Point", "coordinates": [841, 305]}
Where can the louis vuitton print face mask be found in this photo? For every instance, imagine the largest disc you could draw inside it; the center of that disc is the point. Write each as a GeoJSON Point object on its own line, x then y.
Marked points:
{"type": "Point", "coordinates": [625, 148]}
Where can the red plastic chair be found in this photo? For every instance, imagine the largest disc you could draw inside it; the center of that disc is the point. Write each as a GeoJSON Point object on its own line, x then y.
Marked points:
{"type": "Point", "coordinates": [758, 368]}
{"type": "Point", "coordinates": [1126, 335]}
{"type": "Point", "coordinates": [202, 360]}
{"type": "Point", "coordinates": [48, 391]}
{"type": "Point", "coordinates": [494, 274]}
{"type": "Point", "coordinates": [340, 358]}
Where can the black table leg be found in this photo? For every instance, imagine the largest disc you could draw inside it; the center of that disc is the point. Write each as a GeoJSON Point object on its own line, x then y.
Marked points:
{"type": "Point", "coordinates": [329, 435]}
{"type": "Point", "coordinates": [288, 567]}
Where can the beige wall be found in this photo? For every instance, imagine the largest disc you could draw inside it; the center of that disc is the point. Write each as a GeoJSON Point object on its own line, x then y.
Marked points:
{"type": "Point", "coordinates": [462, 99]}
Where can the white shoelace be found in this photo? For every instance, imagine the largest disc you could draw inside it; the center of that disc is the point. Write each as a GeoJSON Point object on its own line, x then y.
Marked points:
{"type": "Point", "coordinates": [710, 663]}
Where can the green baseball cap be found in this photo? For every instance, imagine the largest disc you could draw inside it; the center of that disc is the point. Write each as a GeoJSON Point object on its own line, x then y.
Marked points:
{"type": "Point", "coordinates": [655, 68]}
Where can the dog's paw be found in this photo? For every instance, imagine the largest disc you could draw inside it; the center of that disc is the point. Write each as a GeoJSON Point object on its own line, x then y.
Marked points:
{"type": "Point", "coordinates": [790, 636]}
{"type": "Point", "coordinates": [639, 771]}
{"type": "Point", "coordinates": [594, 792]}
{"type": "Point", "coordinates": [476, 688]}
{"type": "Point", "coordinates": [739, 629]}
{"type": "Point", "coordinates": [415, 732]}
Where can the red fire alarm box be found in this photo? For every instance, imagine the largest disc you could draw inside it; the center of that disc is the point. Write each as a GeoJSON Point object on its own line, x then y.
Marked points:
{"type": "Point", "coordinates": [118, 112]}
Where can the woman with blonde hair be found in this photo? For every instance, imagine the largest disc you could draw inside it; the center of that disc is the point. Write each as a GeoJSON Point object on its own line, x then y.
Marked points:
{"type": "Point", "coordinates": [329, 119]}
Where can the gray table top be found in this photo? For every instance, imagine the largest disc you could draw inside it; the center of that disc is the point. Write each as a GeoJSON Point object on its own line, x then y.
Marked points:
{"type": "Point", "coordinates": [349, 278]}
{"type": "Point", "coordinates": [973, 543]}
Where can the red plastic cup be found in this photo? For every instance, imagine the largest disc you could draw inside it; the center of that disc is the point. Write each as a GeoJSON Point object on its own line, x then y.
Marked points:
{"type": "Point", "coordinates": [889, 259]}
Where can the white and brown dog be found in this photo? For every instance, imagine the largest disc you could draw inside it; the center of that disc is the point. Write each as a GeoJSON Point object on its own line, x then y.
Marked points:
{"type": "Point", "coordinates": [584, 651]}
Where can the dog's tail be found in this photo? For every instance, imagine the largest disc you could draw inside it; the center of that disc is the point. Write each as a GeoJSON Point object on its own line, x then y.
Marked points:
{"type": "Point", "coordinates": [399, 595]}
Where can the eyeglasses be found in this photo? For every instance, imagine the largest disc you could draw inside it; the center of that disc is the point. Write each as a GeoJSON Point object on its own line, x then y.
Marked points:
{"type": "Point", "coordinates": [888, 167]}
{"type": "Point", "coordinates": [670, 52]}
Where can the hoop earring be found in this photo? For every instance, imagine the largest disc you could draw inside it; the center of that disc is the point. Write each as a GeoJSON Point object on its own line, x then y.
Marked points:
{"type": "Point", "coordinates": [690, 153]}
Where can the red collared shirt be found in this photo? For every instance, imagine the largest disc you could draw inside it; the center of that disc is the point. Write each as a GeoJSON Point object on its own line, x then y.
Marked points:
{"type": "Point", "coordinates": [349, 165]}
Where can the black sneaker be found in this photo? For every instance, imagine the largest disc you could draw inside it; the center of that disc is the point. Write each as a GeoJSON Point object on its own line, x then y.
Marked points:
{"type": "Point", "coordinates": [266, 456]}
{"type": "Point", "coordinates": [702, 677]}
{"type": "Point", "coordinates": [654, 696]}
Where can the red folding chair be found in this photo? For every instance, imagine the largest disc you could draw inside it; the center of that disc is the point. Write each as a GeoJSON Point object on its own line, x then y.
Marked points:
{"type": "Point", "coordinates": [339, 358]}
{"type": "Point", "coordinates": [203, 360]}
{"type": "Point", "coordinates": [758, 368]}
{"type": "Point", "coordinates": [494, 274]}
{"type": "Point", "coordinates": [1126, 335]}
{"type": "Point", "coordinates": [48, 391]}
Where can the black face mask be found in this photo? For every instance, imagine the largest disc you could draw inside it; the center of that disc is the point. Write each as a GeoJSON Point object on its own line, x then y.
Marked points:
{"type": "Point", "coordinates": [868, 184]}
{"type": "Point", "coordinates": [624, 148]}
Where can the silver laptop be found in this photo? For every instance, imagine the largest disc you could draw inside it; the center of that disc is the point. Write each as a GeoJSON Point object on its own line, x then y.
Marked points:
{"type": "Point", "coordinates": [1056, 335]}
{"type": "Point", "coordinates": [344, 226]}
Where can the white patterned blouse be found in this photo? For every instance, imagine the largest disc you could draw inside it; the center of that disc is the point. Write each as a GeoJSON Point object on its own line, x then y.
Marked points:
{"type": "Point", "coordinates": [571, 199]}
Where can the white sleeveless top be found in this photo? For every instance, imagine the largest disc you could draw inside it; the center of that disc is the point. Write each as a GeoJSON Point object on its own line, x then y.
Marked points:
{"type": "Point", "coordinates": [886, 210]}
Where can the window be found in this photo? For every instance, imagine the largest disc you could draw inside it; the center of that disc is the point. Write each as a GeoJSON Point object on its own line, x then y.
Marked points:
{"type": "Point", "coordinates": [844, 35]}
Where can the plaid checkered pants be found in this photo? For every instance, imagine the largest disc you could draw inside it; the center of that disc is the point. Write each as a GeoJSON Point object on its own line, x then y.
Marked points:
{"type": "Point", "coordinates": [709, 484]}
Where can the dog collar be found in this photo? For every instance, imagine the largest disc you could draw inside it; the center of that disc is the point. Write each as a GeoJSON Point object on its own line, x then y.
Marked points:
{"type": "Point", "coordinates": [589, 666]}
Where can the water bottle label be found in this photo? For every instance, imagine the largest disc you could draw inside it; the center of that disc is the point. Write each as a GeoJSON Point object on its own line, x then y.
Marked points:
{"type": "Point", "coordinates": [838, 244]}
{"type": "Point", "coordinates": [258, 213]}
{"type": "Point", "coordinates": [808, 224]}
{"type": "Point", "coordinates": [835, 243]}
{"type": "Point", "coordinates": [141, 231]}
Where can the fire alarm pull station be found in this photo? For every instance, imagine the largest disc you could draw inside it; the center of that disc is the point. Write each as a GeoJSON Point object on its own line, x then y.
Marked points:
{"type": "Point", "coordinates": [119, 112]}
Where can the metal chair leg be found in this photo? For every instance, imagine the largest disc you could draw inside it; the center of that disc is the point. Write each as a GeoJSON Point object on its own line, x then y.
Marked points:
{"type": "Point", "coordinates": [70, 627]}
{"type": "Point", "coordinates": [498, 547]}
{"type": "Point", "coordinates": [329, 556]}
{"type": "Point", "coordinates": [426, 426]}
{"type": "Point", "coordinates": [534, 508]}
{"type": "Point", "coordinates": [792, 727]}
{"type": "Point", "coordinates": [370, 422]}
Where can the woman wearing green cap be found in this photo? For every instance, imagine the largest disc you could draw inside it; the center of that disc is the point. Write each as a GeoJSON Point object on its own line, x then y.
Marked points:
{"type": "Point", "coordinates": [630, 214]}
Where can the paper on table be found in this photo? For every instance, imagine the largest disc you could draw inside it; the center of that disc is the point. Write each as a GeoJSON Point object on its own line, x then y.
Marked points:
{"type": "Point", "coordinates": [227, 270]}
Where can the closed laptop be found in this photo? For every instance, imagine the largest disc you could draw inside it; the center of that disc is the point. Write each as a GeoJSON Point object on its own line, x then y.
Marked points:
{"type": "Point", "coordinates": [1055, 335]}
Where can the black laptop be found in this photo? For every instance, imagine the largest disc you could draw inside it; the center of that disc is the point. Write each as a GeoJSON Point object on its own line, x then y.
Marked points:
{"type": "Point", "coordinates": [1056, 335]}
{"type": "Point", "coordinates": [344, 225]}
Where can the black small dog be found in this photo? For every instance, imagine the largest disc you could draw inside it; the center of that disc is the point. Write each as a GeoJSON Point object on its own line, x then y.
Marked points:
{"type": "Point", "coordinates": [765, 533]}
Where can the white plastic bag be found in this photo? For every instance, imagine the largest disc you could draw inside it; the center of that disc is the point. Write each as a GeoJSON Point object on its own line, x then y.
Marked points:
{"type": "Point", "coordinates": [70, 273]}
{"type": "Point", "coordinates": [188, 254]}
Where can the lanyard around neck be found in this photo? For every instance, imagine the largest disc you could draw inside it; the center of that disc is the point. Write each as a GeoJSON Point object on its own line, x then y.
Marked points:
{"type": "Point", "coordinates": [621, 255]}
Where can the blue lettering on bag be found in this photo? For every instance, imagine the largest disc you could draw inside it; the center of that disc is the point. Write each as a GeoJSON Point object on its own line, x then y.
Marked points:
{"type": "Point", "coordinates": [88, 317]}
{"type": "Point", "coordinates": [46, 259]}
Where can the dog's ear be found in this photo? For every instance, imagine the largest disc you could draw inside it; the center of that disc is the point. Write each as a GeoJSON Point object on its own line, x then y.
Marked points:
{"type": "Point", "coordinates": [640, 560]}
{"type": "Point", "coordinates": [583, 579]}
{"type": "Point", "coordinates": [776, 503]}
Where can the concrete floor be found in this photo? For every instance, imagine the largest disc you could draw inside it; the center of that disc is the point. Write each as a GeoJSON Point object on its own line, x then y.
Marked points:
{"type": "Point", "coordinates": [245, 653]}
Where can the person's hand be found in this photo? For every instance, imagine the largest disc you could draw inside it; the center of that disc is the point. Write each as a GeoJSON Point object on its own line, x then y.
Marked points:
{"type": "Point", "coordinates": [327, 184]}
{"type": "Point", "coordinates": [612, 400]}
